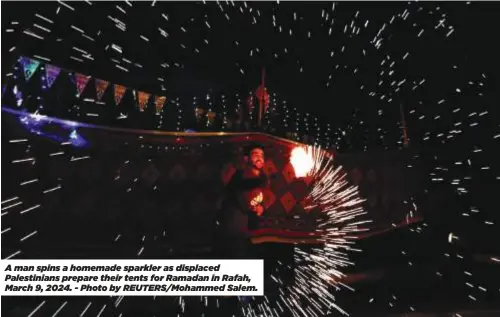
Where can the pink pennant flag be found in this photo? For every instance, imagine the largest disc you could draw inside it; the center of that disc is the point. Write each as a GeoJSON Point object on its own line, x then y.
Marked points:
{"type": "Point", "coordinates": [81, 83]}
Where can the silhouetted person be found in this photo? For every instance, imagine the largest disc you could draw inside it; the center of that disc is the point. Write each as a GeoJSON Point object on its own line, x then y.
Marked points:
{"type": "Point", "coordinates": [242, 205]}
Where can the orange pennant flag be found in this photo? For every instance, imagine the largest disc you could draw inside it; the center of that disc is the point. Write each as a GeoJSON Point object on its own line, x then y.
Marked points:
{"type": "Point", "coordinates": [100, 86]}
{"type": "Point", "coordinates": [119, 92]}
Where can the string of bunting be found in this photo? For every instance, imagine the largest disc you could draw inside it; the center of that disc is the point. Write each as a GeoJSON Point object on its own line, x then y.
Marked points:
{"type": "Point", "coordinates": [52, 72]}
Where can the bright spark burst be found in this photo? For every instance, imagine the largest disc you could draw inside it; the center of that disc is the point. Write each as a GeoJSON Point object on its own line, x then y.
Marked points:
{"type": "Point", "coordinates": [319, 270]}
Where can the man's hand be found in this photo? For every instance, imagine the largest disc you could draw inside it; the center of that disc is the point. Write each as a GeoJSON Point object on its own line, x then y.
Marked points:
{"type": "Point", "coordinates": [258, 209]}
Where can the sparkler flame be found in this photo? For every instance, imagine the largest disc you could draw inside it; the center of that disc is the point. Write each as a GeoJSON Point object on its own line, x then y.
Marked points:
{"type": "Point", "coordinates": [302, 161]}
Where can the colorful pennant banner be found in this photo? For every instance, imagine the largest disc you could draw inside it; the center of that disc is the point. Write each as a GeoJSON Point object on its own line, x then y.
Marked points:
{"type": "Point", "coordinates": [143, 100]}
{"type": "Point", "coordinates": [100, 87]}
{"type": "Point", "coordinates": [119, 92]}
{"type": "Point", "coordinates": [51, 73]}
{"type": "Point", "coordinates": [159, 102]}
{"type": "Point", "coordinates": [29, 66]}
{"type": "Point", "coordinates": [81, 82]}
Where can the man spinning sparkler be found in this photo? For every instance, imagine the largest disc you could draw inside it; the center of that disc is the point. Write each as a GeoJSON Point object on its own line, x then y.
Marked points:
{"type": "Point", "coordinates": [243, 205]}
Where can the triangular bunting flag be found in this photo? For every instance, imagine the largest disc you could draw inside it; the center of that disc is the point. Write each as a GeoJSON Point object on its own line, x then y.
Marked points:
{"type": "Point", "coordinates": [29, 66]}
{"type": "Point", "coordinates": [81, 83]}
{"type": "Point", "coordinates": [143, 100]}
{"type": "Point", "coordinates": [159, 102]}
{"type": "Point", "coordinates": [51, 73]}
{"type": "Point", "coordinates": [119, 92]}
{"type": "Point", "coordinates": [100, 87]}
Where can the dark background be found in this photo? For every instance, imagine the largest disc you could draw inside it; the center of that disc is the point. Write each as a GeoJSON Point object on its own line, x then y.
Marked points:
{"type": "Point", "coordinates": [461, 169]}
{"type": "Point", "coordinates": [472, 47]}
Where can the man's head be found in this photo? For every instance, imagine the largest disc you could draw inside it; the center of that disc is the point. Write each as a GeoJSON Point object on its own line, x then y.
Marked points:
{"type": "Point", "coordinates": [254, 156]}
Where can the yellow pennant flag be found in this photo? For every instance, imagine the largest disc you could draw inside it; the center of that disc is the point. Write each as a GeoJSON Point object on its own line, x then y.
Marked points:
{"type": "Point", "coordinates": [143, 100]}
{"type": "Point", "coordinates": [159, 102]}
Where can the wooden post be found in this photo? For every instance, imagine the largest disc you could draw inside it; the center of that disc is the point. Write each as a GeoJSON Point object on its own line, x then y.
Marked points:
{"type": "Point", "coordinates": [261, 105]}
{"type": "Point", "coordinates": [403, 126]}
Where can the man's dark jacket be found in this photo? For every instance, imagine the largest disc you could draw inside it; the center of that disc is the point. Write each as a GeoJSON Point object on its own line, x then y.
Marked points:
{"type": "Point", "coordinates": [236, 218]}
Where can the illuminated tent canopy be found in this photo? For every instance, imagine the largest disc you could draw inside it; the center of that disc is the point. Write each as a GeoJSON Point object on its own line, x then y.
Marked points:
{"type": "Point", "coordinates": [96, 186]}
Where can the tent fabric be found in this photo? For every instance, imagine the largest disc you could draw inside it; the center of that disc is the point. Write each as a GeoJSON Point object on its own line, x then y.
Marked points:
{"type": "Point", "coordinates": [130, 182]}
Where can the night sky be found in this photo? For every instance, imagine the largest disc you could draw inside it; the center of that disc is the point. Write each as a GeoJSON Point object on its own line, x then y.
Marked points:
{"type": "Point", "coordinates": [350, 68]}
{"type": "Point", "coordinates": [320, 57]}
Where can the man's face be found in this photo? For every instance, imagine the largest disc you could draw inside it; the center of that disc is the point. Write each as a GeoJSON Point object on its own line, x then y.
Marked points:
{"type": "Point", "coordinates": [256, 158]}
